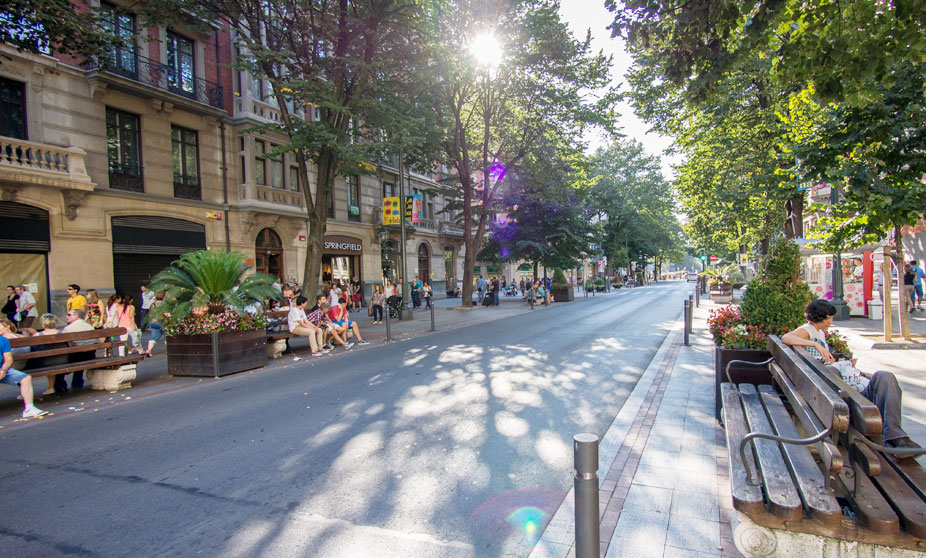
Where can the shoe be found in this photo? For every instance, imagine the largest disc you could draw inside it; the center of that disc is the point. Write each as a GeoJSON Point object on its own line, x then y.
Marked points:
{"type": "Point", "coordinates": [49, 391]}
{"type": "Point", "coordinates": [319, 353]}
{"type": "Point", "coordinates": [362, 342]}
{"type": "Point", "coordinates": [327, 346]}
{"type": "Point", "coordinates": [349, 346]}
{"type": "Point", "coordinates": [31, 412]}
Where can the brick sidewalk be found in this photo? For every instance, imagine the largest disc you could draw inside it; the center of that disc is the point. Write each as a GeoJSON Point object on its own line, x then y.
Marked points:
{"type": "Point", "coordinates": [665, 491]}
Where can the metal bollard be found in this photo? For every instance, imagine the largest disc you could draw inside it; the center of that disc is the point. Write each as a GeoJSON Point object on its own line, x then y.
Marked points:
{"type": "Point", "coordinates": [388, 328]}
{"type": "Point", "coordinates": [687, 311]}
{"type": "Point", "coordinates": [690, 314]}
{"type": "Point", "coordinates": [433, 328]}
{"type": "Point", "coordinates": [530, 298]}
{"type": "Point", "coordinates": [588, 529]}
{"type": "Point", "coordinates": [697, 296]}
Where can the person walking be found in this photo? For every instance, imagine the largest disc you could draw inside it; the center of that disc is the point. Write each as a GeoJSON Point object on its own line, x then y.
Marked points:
{"type": "Point", "coordinates": [481, 288]}
{"type": "Point", "coordinates": [94, 309]}
{"type": "Point", "coordinates": [496, 285]}
{"type": "Point", "coordinates": [416, 293]}
{"type": "Point", "coordinates": [132, 333]}
{"type": "Point", "coordinates": [918, 284]}
{"type": "Point", "coordinates": [25, 307]}
{"type": "Point", "coordinates": [356, 293]}
{"type": "Point", "coordinates": [154, 326]}
{"type": "Point", "coordinates": [76, 301]}
{"type": "Point", "coordinates": [427, 291]}
{"type": "Point", "coordinates": [909, 294]}
{"type": "Point", "coordinates": [9, 308]}
{"type": "Point", "coordinates": [377, 303]}
{"type": "Point", "coordinates": [147, 297]}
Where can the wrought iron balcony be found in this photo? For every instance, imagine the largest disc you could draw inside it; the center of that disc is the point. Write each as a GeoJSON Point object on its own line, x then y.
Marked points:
{"type": "Point", "coordinates": [164, 77]}
{"type": "Point", "coordinates": [187, 187]}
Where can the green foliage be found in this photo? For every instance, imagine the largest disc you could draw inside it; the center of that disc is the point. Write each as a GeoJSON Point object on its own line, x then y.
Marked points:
{"type": "Point", "coordinates": [559, 278]}
{"type": "Point", "coordinates": [774, 301]}
{"type": "Point", "coordinates": [63, 26]}
{"type": "Point", "coordinates": [213, 279]}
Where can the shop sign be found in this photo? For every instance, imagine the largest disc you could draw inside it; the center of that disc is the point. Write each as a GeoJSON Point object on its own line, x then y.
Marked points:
{"type": "Point", "coordinates": [343, 245]}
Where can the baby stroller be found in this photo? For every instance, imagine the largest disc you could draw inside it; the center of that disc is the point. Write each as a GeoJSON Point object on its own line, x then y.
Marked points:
{"type": "Point", "coordinates": [393, 303]}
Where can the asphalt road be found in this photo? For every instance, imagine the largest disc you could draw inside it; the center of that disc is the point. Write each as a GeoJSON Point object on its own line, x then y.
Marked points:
{"type": "Point", "coordinates": [454, 444]}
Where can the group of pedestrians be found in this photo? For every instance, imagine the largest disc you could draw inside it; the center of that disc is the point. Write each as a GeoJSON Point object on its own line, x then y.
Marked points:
{"type": "Point", "coordinates": [913, 278]}
{"type": "Point", "coordinates": [325, 326]}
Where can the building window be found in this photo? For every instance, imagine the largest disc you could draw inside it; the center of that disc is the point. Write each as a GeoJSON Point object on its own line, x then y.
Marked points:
{"type": "Point", "coordinates": [185, 150]}
{"type": "Point", "coordinates": [260, 165]}
{"type": "Point", "coordinates": [276, 170]}
{"type": "Point", "coordinates": [180, 65]}
{"type": "Point", "coordinates": [121, 58]}
{"type": "Point", "coordinates": [12, 109]}
{"type": "Point", "coordinates": [294, 179]}
{"type": "Point", "coordinates": [123, 141]}
{"type": "Point", "coordinates": [388, 190]}
{"type": "Point", "coordinates": [353, 198]}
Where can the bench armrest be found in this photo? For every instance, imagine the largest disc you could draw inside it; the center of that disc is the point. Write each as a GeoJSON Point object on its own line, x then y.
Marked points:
{"type": "Point", "coordinates": [726, 371]}
{"type": "Point", "coordinates": [795, 441]}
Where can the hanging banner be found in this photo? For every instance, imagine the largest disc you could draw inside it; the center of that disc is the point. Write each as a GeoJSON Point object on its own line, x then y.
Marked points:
{"type": "Point", "coordinates": [413, 208]}
{"type": "Point", "coordinates": [391, 211]}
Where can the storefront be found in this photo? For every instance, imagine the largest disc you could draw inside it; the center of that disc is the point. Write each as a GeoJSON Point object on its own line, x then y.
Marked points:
{"type": "Point", "coordinates": [857, 274]}
{"type": "Point", "coordinates": [24, 245]}
{"type": "Point", "coordinates": [341, 257]}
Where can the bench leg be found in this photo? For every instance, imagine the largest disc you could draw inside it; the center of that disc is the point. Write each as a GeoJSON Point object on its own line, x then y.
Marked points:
{"type": "Point", "coordinates": [112, 379]}
{"type": "Point", "coordinates": [276, 348]}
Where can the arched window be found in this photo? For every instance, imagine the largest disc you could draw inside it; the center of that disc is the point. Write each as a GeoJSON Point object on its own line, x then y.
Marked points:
{"type": "Point", "coordinates": [424, 262]}
{"type": "Point", "coordinates": [268, 252]}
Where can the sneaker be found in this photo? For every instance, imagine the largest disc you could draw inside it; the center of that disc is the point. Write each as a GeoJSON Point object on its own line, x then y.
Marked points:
{"type": "Point", "coordinates": [31, 412]}
{"type": "Point", "coordinates": [319, 353]}
{"type": "Point", "coordinates": [362, 342]}
{"type": "Point", "coordinates": [327, 346]}
{"type": "Point", "coordinates": [349, 346]}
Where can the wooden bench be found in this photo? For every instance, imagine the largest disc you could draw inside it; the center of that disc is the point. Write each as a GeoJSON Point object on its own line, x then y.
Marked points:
{"type": "Point", "coordinates": [80, 357]}
{"type": "Point", "coordinates": [807, 470]}
{"type": "Point", "coordinates": [278, 333]}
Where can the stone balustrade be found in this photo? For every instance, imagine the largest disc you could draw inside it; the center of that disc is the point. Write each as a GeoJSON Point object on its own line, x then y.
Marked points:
{"type": "Point", "coordinates": [38, 163]}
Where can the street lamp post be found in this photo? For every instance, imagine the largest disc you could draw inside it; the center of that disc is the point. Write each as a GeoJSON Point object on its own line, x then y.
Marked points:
{"type": "Point", "coordinates": [404, 312]}
{"type": "Point", "coordinates": [842, 309]}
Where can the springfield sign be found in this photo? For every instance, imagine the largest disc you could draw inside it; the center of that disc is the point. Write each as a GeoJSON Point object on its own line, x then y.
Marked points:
{"type": "Point", "coordinates": [342, 244]}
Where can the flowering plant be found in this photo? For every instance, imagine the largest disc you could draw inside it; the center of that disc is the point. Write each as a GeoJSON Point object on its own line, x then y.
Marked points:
{"type": "Point", "coordinates": [722, 319]}
{"type": "Point", "coordinates": [747, 336]}
{"type": "Point", "coordinates": [206, 322]}
{"type": "Point", "coordinates": [838, 343]}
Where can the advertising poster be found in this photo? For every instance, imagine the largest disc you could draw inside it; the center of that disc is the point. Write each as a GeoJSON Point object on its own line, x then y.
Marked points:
{"type": "Point", "coordinates": [391, 211]}
{"type": "Point", "coordinates": [413, 208]}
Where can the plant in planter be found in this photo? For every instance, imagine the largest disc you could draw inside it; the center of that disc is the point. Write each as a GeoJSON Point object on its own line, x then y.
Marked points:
{"type": "Point", "coordinates": [560, 288]}
{"type": "Point", "coordinates": [209, 331]}
{"type": "Point", "coordinates": [599, 285]}
{"type": "Point", "coordinates": [721, 279]}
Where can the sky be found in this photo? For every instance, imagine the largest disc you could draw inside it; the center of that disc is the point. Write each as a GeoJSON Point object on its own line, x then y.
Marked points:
{"type": "Point", "coordinates": [582, 15]}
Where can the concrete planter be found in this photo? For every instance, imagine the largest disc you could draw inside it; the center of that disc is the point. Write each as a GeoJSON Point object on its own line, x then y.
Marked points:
{"type": "Point", "coordinates": [744, 374]}
{"type": "Point", "coordinates": [216, 354]}
{"type": "Point", "coordinates": [565, 294]}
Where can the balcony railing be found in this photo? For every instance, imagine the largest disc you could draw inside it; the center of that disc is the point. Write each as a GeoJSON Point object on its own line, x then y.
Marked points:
{"type": "Point", "coordinates": [126, 177]}
{"type": "Point", "coordinates": [187, 187]}
{"type": "Point", "coordinates": [46, 163]}
{"type": "Point", "coordinates": [164, 77]}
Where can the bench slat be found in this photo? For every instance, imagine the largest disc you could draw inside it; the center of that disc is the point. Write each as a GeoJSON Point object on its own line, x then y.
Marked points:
{"type": "Point", "coordinates": [828, 452]}
{"type": "Point", "coordinates": [906, 503]}
{"type": "Point", "coordinates": [746, 498]}
{"type": "Point", "coordinates": [810, 482]}
{"type": "Point", "coordinates": [67, 337]}
{"type": "Point", "coordinates": [68, 350]}
{"type": "Point", "coordinates": [911, 471]}
{"type": "Point", "coordinates": [865, 457]}
{"type": "Point", "coordinates": [820, 396]}
{"type": "Point", "coordinates": [865, 499]}
{"type": "Point", "coordinates": [783, 499]}
{"type": "Point", "coordinates": [865, 416]}
{"type": "Point", "coordinates": [105, 362]}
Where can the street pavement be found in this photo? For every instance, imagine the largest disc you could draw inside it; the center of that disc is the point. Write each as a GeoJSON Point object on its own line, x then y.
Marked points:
{"type": "Point", "coordinates": [453, 443]}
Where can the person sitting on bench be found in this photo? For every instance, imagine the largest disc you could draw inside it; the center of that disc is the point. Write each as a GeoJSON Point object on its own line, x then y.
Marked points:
{"type": "Point", "coordinates": [299, 324]}
{"type": "Point", "coordinates": [881, 388]}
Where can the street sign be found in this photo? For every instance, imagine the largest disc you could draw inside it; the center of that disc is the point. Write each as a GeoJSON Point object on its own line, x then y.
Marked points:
{"type": "Point", "coordinates": [714, 258]}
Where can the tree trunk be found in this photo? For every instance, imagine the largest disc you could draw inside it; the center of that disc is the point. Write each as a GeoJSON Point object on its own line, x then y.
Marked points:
{"type": "Point", "coordinates": [318, 221]}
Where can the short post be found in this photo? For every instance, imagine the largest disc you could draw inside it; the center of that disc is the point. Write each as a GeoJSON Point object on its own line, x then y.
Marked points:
{"type": "Point", "coordinates": [530, 297]}
{"type": "Point", "coordinates": [588, 529]}
{"type": "Point", "coordinates": [687, 311]}
{"type": "Point", "coordinates": [388, 328]}
{"type": "Point", "coordinates": [690, 324]}
{"type": "Point", "coordinates": [431, 306]}
{"type": "Point", "coordinates": [697, 297]}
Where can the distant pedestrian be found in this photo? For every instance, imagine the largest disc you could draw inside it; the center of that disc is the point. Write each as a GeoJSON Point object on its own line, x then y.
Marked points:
{"type": "Point", "coordinates": [25, 307]}
{"type": "Point", "coordinates": [909, 294]}
{"type": "Point", "coordinates": [76, 301]}
{"type": "Point", "coordinates": [9, 307]}
{"type": "Point", "coordinates": [416, 293]}
{"type": "Point", "coordinates": [356, 289]}
{"type": "Point", "coordinates": [147, 297]}
{"type": "Point", "coordinates": [154, 326]}
{"type": "Point", "coordinates": [377, 303]}
{"type": "Point", "coordinates": [496, 286]}
{"type": "Point", "coordinates": [132, 333]}
{"type": "Point", "coordinates": [481, 288]}
{"type": "Point", "coordinates": [94, 309]}
{"type": "Point", "coordinates": [427, 292]}
{"type": "Point", "coordinates": [918, 284]}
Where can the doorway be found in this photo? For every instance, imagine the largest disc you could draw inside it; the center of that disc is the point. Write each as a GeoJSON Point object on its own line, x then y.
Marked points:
{"type": "Point", "coordinates": [268, 254]}
{"type": "Point", "coordinates": [424, 263]}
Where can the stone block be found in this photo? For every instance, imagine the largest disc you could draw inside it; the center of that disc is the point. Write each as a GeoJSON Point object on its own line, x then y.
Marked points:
{"type": "Point", "coordinates": [112, 379]}
{"type": "Point", "coordinates": [275, 349]}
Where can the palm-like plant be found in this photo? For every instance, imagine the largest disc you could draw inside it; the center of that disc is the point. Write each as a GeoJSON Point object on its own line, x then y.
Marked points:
{"type": "Point", "coordinates": [213, 279]}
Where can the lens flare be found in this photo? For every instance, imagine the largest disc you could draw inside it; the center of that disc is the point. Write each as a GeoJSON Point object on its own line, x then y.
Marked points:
{"type": "Point", "coordinates": [504, 252]}
{"type": "Point", "coordinates": [497, 171]}
{"type": "Point", "coordinates": [518, 515]}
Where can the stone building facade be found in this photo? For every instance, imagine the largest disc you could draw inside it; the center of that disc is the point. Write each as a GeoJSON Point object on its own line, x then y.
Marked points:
{"type": "Point", "coordinates": [110, 172]}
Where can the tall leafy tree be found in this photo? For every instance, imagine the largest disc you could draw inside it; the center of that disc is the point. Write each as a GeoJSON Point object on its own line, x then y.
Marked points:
{"type": "Point", "coordinates": [349, 62]}
{"type": "Point", "coordinates": [63, 26]}
{"type": "Point", "coordinates": [544, 86]}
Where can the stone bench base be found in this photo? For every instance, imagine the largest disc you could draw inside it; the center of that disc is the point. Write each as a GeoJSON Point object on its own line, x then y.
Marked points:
{"type": "Point", "coordinates": [112, 379]}
{"type": "Point", "coordinates": [275, 348]}
{"type": "Point", "coordinates": [755, 541]}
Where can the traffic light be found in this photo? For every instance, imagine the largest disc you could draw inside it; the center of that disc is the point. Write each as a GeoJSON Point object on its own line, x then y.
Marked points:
{"type": "Point", "coordinates": [703, 258]}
